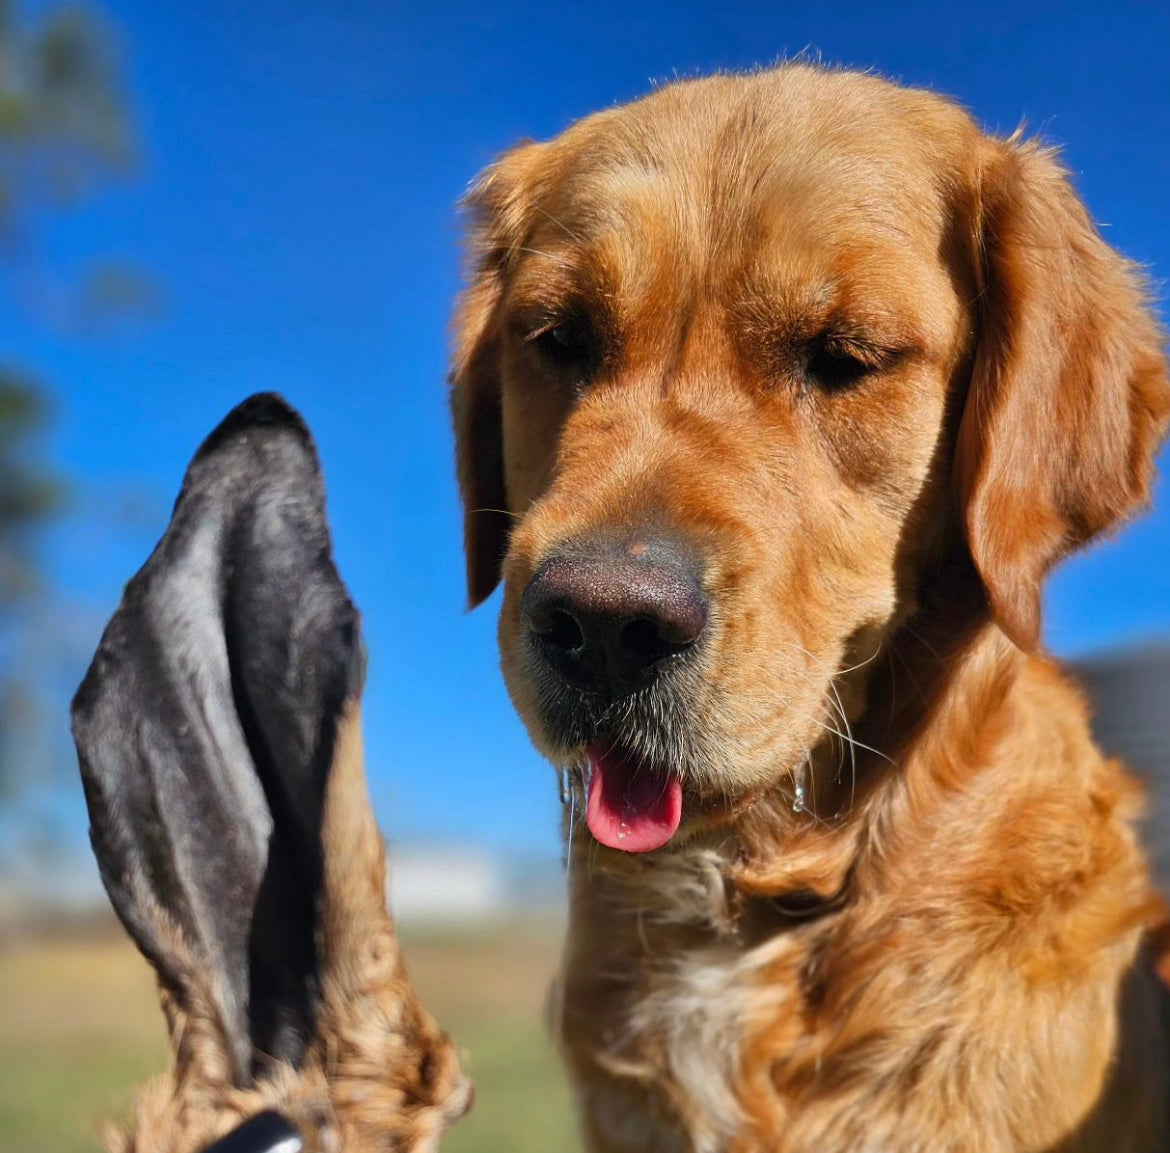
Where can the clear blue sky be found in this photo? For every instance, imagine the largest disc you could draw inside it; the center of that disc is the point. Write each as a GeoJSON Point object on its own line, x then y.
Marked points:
{"type": "Point", "coordinates": [295, 203]}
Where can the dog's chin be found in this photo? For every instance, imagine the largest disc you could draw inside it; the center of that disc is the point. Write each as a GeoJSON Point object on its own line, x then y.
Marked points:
{"type": "Point", "coordinates": [647, 773]}
{"type": "Point", "coordinates": [633, 804]}
{"type": "Point", "coordinates": [632, 764]}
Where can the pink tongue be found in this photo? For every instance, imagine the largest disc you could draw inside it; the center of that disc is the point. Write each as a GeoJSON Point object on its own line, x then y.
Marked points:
{"type": "Point", "coordinates": [630, 807]}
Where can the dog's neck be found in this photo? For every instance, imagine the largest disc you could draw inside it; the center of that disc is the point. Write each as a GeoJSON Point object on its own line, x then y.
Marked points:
{"type": "Point", "coordinates": [933, 706]}
{"type": "Point", "coordinates": [940, 706]}
{"type": "Point", "coordinates": [674, 959]}
{"type": "Point", "coordinates": [800, 849]}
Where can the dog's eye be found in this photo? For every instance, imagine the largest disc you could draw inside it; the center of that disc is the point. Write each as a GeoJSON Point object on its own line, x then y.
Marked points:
{"type": "Point", "coordinates": [569, 343]}
{"type": "Point", "coordinates": [835, 363]}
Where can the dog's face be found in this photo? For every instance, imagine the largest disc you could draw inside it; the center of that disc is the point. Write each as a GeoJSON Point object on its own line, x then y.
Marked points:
{"type": "Point", "coordinates": [727, 387]}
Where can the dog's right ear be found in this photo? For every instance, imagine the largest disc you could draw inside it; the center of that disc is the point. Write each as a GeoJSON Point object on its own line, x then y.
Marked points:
{"type": "Point", "coordinates": [499, 206]}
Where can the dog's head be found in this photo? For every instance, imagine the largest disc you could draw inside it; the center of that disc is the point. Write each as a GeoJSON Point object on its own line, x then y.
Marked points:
{"type": "Point", "coordinates": [743, 370]}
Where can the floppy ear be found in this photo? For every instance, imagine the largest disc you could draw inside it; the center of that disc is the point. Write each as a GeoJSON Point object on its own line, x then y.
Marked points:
{"type": "Point", "coordinates": [218, 736]}
{"type": "Point", "coordinates": [499, 206]}
{"type": "Point", "coordinates": [1068, 399]}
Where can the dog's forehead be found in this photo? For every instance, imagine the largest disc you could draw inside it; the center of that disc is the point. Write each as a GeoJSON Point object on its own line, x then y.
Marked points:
{"type": "Point", "coordinates": [790, 178]}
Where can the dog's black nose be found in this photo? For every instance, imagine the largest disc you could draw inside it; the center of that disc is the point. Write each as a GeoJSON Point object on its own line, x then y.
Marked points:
{"type": "Point", "coordinates": [606, 616]}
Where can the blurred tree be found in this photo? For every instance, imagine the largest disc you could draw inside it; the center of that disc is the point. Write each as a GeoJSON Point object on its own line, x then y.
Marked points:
{"type": "Point", "coordinates": [63, 125]}
{"type": "Point", "coordinates": [28, 493]}
{"type": "Point", "coordinates": [64, 131]}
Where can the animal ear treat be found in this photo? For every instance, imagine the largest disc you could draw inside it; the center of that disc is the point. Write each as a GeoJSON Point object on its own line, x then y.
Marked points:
{"type": "Point", "coordinates": [218, 734]}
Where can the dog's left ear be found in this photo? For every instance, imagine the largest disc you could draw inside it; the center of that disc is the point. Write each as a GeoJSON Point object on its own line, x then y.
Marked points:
{"type": "Point", "coordinates": [1068, 399]}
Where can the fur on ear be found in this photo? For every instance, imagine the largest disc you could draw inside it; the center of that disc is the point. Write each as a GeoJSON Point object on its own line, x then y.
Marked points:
{"type": "Point", "coordinates": [218, 735]}
{"type": "Point", "coordinates": [1068, 398]}
{"type": "Point", "coordinates": [499, 206]}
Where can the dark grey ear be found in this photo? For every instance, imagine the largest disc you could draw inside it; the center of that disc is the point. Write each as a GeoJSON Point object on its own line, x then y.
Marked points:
{"type": "Point", "coordinates": [205, 730]}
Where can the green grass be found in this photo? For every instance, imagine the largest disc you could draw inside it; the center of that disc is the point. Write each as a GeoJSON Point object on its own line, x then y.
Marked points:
{"type": "Point", "coordinates": [79, 1027]}
{"type": "Point", "coordinates": [521, 1102]}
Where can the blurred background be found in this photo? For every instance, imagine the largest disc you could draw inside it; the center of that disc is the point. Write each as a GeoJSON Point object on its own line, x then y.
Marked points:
{"type": "Point", "coordinates": [203, 199]}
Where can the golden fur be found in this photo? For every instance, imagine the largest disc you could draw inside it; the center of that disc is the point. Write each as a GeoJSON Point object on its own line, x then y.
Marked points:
{"type": "Point", "coordinates": [381, 1077]}
{"type": "Point", "coordinates": [880, 370]}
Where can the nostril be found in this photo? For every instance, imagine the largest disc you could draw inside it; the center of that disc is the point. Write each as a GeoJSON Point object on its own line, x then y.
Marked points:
{"type": "Point", "coordinates": [643, 638]}
{"type": "Point", "coordinates": [559, 629]}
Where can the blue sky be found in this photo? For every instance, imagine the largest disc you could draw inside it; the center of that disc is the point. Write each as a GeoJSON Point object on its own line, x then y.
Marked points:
{"type": "Point", "coordinates": [295, 205]}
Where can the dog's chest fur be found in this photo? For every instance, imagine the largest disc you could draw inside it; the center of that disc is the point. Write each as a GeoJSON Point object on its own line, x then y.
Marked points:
{"type": "Point", "coordinates": [659, 997]}
{"type": "Point", "coordinates": [694, 1025]}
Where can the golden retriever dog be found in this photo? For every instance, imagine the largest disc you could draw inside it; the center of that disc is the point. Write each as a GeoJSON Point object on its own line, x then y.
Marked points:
{"type": "Point", "coordinates": [776, 397]}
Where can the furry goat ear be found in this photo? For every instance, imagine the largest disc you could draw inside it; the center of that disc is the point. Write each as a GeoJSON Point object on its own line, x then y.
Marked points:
{"type": "Point", "coordinates": [499, 205]}
{"type": "Point", "coordinates": [1068, 399]}
{"type": "Point", "coordinates": [205, 731]}
{"type": "Point", "coordinates": [219, 735]}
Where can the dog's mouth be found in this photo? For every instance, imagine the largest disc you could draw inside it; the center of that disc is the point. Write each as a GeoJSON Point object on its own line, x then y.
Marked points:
{"type": "Point", "coordinates": [631, 805]}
